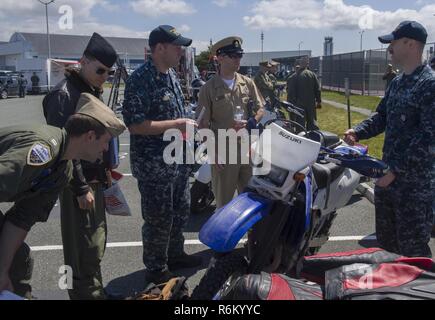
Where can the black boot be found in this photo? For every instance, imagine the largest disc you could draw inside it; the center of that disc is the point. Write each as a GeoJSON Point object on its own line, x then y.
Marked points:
{"type": "Point", "coordinates": [158, 277]}
{"type": "Point", "coordinates": [184, 261]}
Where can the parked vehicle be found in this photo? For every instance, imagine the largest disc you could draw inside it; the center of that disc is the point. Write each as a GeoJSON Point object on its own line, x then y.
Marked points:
{"type": "Point", "coordinates": [9, 85]}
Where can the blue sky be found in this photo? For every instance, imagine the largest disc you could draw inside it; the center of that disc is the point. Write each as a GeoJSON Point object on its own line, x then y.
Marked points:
{"type": "Point", "coordinates": [285, 23]}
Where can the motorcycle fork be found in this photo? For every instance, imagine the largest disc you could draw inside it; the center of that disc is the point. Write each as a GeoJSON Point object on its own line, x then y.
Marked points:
{"type": "Point", "coordinates": [263, 238]}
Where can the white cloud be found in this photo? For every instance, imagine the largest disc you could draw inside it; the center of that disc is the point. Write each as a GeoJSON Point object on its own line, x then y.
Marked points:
{"type": "Point", "coordinates": [31, 17]}
{"type": "Point", "coordinates": [332, 14]}
{"type": "Point", "coordinates": [223, 3]}
{"type": "Point", "coordinates": [108, 30]}
{"type": "Point", "coordinates": [109, 6]}
{"type": "Point", "coordinates": [200, 45]}
{"type": "Point", "coordinates": [183, 28]}
{"type": "Point", "coordinates": [152, 8]}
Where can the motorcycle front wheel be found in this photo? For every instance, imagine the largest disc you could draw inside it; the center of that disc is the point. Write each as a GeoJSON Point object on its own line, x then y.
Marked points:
{"type": "Point", "coordinates": [221, 274]}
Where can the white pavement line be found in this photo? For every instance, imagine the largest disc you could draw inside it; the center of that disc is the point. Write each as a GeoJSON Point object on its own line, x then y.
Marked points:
{"type": "Point", "coordinates": [352, 238]}
{"type": "Point", "coordinates": [190, 242]}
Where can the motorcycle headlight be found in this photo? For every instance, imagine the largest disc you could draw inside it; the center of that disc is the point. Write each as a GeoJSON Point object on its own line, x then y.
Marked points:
{"type": "Point", "coordinates": [277, 175]}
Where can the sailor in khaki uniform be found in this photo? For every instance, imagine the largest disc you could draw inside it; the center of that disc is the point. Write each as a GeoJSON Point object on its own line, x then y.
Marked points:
{"type": "Point", "coordinates": [34, 167]}
{"type": "Point", "coordinates": [220, 96]}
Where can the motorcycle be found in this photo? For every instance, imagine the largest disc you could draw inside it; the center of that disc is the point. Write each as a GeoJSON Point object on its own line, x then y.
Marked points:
{"type": "Point", "coordinates": [285, 213]}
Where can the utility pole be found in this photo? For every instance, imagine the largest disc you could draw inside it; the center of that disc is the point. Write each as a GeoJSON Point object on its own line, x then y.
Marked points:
{"type": "Point", "coordinates": [262, 40]}
{"type": "Point", "coordinates": [46, 3]}
{"type": "Point", "coordinates": [361, 41]}
{"type": "Point", "coordinates": [300, 47]}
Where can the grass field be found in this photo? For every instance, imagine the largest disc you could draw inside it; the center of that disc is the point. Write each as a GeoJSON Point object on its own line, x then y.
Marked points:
{"type": "Point", "coordinates": [366, 102]}
{"type": "Point", "coordinates": [335, 120]}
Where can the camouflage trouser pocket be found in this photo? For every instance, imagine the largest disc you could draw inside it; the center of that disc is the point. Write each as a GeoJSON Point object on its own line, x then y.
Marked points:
{"type": "Point", "coordinates": [156, 200]}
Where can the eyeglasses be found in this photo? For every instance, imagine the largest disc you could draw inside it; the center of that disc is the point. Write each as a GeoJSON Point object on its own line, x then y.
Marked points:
{"type": "Point", "coordinates": [234, 55]}
{"type": "Point", "coordinates": [101, 71]}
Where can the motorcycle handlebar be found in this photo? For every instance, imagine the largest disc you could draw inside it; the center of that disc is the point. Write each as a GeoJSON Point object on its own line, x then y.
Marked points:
{"type": "Point", "coordinates": [363, 164]}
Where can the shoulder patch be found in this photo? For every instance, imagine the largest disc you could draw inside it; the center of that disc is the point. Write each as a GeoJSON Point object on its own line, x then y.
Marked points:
{"type": "Point", "coordinates": [39, 154]}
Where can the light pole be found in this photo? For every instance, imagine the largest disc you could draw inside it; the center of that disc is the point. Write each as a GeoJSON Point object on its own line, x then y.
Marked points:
{"type": "Point", "coordinates": [360, 45]}
{"type": "Point", "coordinates": [300, 47]}
{"type": "Point", "coordinates": [46, 3]}
{"type": "Point", "coordinates": [262, 40]}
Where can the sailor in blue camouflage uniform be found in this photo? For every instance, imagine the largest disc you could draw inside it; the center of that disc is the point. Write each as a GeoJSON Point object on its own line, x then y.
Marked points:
{"type": "Point", "coordinates": [153, 104]}
{"type": "Point", "coordinates": [403, 197]}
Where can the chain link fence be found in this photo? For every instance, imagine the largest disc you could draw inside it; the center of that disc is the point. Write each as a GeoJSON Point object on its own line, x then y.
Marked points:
{"type": "Point", "coordinates": [364, 69]}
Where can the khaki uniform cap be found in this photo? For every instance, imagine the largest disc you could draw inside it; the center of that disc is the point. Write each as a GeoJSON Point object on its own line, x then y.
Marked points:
{"type": "Point", "coordinates": [95, 108]}
{"type": "Point", "coordinates": [230, 44]}
{"type": "Point", "coordinates": [265, 64]}
{"type": "Point", "coordinates": [274, 63]}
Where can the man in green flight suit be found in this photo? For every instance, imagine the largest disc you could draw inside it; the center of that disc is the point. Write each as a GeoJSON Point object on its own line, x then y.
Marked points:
{"type": "Point", "coordinates": [303, 90]}
{"type": "Point", "coordinates": [264, 83]}
{"type": "Point", "coordinates": [82, 215]}
{"type": "Point", "coordinates": [34, 167]}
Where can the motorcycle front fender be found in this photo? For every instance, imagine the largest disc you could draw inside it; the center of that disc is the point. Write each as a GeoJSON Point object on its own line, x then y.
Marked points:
{"type": "Point", "coordinates": [223, 231]}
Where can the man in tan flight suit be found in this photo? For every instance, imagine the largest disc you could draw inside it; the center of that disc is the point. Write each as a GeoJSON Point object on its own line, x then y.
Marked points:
{"type": "Point", "coordinates": [220, 96]}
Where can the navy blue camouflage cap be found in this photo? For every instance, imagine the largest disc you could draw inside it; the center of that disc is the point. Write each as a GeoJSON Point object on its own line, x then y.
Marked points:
{"type": "Point", "coordinates": [168, 34]}
{"type": "Point", "coordinates": [406, 29]}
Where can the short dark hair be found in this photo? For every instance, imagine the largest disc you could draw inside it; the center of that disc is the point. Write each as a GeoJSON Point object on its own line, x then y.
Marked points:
{"type": "Point", "coordinates": [79, 124]}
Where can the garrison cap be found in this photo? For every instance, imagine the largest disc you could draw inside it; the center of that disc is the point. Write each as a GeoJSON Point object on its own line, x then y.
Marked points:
{"type": "Point", "coordinates": [406, 29]}
{"type": "Point", "coordinates": [227, 45]}
{"type": "Point", "coordinates": [102, 50]}
{"type": "Point", "coordinates": [95, 108]}
{"type": "Point", "coordinates": [167, 34]}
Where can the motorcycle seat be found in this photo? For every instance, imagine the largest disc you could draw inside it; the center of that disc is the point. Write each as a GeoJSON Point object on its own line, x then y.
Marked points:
{"type": "Point", "coordinates": [326, 139]}
{"type": "Point", "coordinates": [324, 173]}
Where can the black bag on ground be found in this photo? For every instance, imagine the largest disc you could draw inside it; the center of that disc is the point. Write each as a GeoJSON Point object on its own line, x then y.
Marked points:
{"type": "Point", "coordinates": [408, 279]}
{"type": "Point", "coordinates": [272, 286]}
{"type": "Point", "coordinates": [368, 274]}
{"type": "Point", "coordinates": [315, 267]}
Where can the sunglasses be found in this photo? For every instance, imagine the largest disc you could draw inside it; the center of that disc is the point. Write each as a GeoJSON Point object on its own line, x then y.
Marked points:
{"type": "Point", "coordinates": [101, 71]}
{"type": "Point", "coordinates": [234, 55]}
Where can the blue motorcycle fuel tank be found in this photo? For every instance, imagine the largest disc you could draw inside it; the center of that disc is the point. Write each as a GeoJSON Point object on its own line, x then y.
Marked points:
{"type": "Point", "coordinates": [223, 231]}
